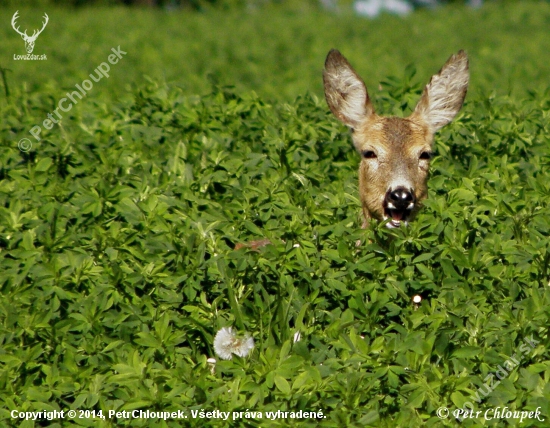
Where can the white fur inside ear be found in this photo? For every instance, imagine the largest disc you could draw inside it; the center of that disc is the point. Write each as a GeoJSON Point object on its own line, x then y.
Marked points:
{"type": "Point", "coordinates": [444, 95]}
{"type": "Point", "coordinates": [345, 92]}
{"type": "Point", "coordinates": [349, 96]}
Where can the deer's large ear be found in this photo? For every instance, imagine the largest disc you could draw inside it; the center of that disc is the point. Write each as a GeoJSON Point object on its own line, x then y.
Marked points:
{"type": "Point", "coordinates": [345, 92]}
{"type": "Point", "coordinates": [444, 95]}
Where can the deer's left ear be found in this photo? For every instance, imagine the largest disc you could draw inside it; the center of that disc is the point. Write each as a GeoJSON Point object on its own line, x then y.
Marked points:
{"type": "Point", "coordinates": [345, 92]}
{"type": "Point", "coordinates": [444, 95]}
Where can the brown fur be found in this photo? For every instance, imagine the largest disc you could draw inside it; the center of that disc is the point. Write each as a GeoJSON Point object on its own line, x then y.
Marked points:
{"type": "Point", "coordinates": [393, 149]}
{"type": "Point", "coordinates": [253, 245]}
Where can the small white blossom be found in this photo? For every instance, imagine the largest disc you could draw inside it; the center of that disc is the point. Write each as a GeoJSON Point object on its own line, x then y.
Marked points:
{"type": "Point", "coordinates": [297, 337]}
{"type": "Point", "coordinates": [227, 343]}
{"type": "Point", "coordinates": [212, 363]}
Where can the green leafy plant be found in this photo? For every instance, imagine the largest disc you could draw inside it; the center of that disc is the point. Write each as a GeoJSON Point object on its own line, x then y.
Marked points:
{"type": "Point", "coordinates": [117, 251]}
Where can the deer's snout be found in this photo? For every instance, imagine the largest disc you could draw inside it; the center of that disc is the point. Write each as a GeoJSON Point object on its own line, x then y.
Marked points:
{"type": "Point", "coordinates": [400, 198]}
{"type": "Point", "coordinates": [398, 205]}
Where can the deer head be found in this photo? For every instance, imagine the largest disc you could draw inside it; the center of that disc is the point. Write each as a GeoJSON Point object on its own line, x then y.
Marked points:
{"type": "Point", "coordinates": [395, 152]}
{"type": "Point", "coordinates": [29, 40]}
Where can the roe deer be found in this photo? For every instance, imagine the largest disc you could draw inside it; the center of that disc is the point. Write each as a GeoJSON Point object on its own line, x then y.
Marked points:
{"type": "Point", "coordinates": [395, 152]}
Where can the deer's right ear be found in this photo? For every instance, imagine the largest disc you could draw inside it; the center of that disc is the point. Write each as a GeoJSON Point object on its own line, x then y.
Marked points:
{"type": "Point", "coordinates": [345, 92]}
{"type": "Point", "coordinates": [443, 97]}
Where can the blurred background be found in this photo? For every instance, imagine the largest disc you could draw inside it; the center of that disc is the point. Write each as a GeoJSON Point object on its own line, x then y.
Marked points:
{"type": "Point", "coordinates": [275, 48]}
{"type": "Point", "coordinates": [395, 6]}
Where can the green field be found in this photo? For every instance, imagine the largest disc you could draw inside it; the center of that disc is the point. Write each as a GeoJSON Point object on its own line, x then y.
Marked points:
{"type": "Point", "coordinates": [279, 53]}
{"type": "Point", "coordinates": [118, 228]}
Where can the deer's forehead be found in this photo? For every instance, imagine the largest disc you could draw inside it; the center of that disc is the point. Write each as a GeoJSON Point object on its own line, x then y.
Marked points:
{"type": "Point", "coordinates": [392, 134]}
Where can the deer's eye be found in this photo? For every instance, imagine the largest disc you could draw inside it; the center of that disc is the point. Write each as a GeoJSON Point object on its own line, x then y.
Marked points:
{"type": "Point", "coordinates": [369, 154]}
{"type": "Point", "coordinates": [426, 155]}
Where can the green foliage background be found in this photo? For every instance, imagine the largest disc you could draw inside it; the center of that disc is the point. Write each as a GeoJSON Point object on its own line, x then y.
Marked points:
{"type": "Point", "coordinates": [278, 51]}
{"type": "Point", "coordinates": [118, 228]}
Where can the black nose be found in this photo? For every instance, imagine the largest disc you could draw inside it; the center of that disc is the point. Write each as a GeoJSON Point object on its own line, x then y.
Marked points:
{"type": "Point", "coordinates": [400, 198]}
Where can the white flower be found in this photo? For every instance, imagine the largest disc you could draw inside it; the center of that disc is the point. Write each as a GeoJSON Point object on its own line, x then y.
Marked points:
{"type": "Point", "coordinates": [212, 363]}
{"type": "Point", "coordinates": [227, 343]}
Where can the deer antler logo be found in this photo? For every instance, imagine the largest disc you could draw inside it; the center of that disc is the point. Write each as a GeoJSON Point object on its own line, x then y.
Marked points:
{"type": "Point", "coordinates": [29, 40]}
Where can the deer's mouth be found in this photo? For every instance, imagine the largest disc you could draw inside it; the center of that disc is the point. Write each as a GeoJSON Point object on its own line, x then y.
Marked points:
{"type": "Point", "coordinates": [397, 215]}
{"type": "Point", "coordinates": [398, 206]}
